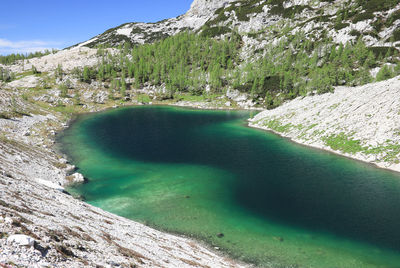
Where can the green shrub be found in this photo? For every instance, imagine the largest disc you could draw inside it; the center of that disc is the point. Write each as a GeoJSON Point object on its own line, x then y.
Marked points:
{"type": "Point", "coordinates": [384, 73]}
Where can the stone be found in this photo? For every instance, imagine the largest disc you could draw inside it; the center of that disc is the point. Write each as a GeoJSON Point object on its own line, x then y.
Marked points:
{"type": "Point", "coordinates": [77, 177]}
{"type": "Point", "coordinates": [8, 220]}
{"type": "Point", "coordinates": [18, 158]}
{"type": "Point", "coordinates": [22, 240]}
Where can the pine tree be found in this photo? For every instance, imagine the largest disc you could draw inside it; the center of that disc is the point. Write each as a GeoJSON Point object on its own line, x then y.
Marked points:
{"type": "Point", "coordinates": [34, 70]}
{"type": "Point", "coordinates": [370, 61]}
{"type": "Point", "coordinates": [123, 86]}
{"type": "Point", "coordinates": [384, 73]}
{"type": "Point", "coordinates": [77, 98]}
{"type": "Point", "coordinates": [59, 71]}
{"type": "Point", "coordinates": [63, 91]}
{"type": "Point", "coordinates": [86, 74]}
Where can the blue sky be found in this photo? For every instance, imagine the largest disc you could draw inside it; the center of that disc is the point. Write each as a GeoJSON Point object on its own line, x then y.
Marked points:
{"type": "Point", "coordinates": [29, 25]}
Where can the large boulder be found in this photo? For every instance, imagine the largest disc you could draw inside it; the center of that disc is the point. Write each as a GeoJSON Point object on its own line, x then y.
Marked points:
{"type": "Point", "coordinates": [22, 240]}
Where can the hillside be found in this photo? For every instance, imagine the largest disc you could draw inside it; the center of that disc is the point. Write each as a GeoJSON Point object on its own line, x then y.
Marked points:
{"type": "Point", "coordinates": [325, 73]}
{"type": "Point", "coordinates": [360, 122]}
{"type": "Point", "coordinates": [376, 21]}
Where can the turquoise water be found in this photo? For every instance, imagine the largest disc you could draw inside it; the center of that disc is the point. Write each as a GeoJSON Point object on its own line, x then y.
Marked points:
{"type": "Point", "coordinates": [203, 173]}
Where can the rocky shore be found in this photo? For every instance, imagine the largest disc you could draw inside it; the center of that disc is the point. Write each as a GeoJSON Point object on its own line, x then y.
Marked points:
{"type": "Point", "coordinates": [54, 229]}
{"type": "Point", "coordinates": [358, 122]}
{"type": "Point", "coordinates": [42, 225]}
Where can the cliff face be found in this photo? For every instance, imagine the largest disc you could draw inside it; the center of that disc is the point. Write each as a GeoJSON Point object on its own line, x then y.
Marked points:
{"type": "Point", "coordinates": [203, 8]}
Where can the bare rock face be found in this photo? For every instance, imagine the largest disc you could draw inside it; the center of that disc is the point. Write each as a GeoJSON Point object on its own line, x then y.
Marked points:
{"type": "Point", "coordinates": [22, 240]}
{"type": "Point", "coordinates": [138, 33]}
{"type": "Point", "coordinates": [262, 18]}
{"type": "Point", "coordinates": [203, 8]}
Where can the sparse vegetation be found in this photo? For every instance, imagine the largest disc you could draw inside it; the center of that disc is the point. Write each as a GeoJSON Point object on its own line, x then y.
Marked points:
{"type": "Point", "coordinates": [344, 143]}
{"type": "Point", "coordinates": [12, 58]}
{"type": "Point", "coordinates": [384, 73]}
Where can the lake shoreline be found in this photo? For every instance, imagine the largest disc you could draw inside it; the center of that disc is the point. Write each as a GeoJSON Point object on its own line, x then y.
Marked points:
{"type": "Point", "coordinates": [360, 123]}
{"type": "Point", "coordinates": [55, 168]}
{"type": "Point", "coordinates": [152, 117]}
{"type": "Point", "coordinates": [30, 164]}
{"type": "Point", "coordinates": [394, 168]}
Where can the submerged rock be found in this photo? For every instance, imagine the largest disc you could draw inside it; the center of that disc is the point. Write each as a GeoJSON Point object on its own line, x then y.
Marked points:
{"type": "Point", "coordinates": [220, 235]}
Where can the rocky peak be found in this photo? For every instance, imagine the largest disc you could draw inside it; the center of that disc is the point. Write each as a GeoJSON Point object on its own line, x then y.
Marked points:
{"type": "Point", "coordinates": [376, 22]}
{"type": "Point", "coordinates": [205, 8]}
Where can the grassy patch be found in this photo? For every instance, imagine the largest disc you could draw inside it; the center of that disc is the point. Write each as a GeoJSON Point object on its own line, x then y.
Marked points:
{"type": "Point", "coordinates": [13, 114]}
{"type": "Point", "coordinates": [391, 152]}
{"type": "Point", "coordinates": [276, 125]}
{"type": "Point", "coordinates": [143, 98]}
{"type": "Point", "coordinates": [344, 143]}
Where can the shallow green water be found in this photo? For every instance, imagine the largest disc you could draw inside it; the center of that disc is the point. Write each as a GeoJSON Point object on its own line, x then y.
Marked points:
{"type": "Point", "coordinates": [201, 173]}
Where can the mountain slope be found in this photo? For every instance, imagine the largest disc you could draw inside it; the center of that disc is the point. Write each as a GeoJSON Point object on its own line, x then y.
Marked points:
{"type": "Point", "coordinates": [377, 22]}
{"type": "Point", "coordinates": [139, 33]}
{"type": "Point", "coordinates": [359, 122]}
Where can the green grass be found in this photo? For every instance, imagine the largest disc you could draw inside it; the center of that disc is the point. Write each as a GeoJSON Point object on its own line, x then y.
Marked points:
{"type": "Point", "coordinates": [195, 98]}
{"type": "Point", "coordinates": [143, 98]}
{"type": "Point", "coordinates": [344, 143]}
{"type": "Point", "coordinates": [391, 152]}
{"type": "Point", "coordinates": [24, 74]}
{"type": "Point", "coordinates": [13, 114]}
{"type": "Point", "coordinates": [276, 125]}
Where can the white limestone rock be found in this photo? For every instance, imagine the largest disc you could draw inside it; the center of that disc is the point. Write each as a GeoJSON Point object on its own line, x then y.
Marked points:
{"type": "Point", "coordinates": [77, 178]}
{"type": "Point", "coordinates": [22, 240]}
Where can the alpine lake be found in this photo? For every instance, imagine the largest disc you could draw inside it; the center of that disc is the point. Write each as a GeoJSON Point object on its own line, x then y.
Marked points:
{"type": "Point", "coordinates": [256, 196]}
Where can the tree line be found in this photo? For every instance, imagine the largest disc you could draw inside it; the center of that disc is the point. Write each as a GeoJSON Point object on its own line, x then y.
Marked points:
{"type": "Point", "coordinates": [194, 63]}
{"type": "Point", "coordinates": [14, 57]}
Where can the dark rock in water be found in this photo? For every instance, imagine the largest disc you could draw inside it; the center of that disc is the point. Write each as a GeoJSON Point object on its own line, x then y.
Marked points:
{"type": "Point", "coordinates": [220, 235]}
{"type": "Point", "coordinates": [281, 239]}
{"type": "Point", "coordinates": [65, 192]}
{"type": "Point", "coordinates": [187, 196]}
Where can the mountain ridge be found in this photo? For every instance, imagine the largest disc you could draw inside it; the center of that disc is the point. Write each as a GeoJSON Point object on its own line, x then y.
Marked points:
{"type": "Point", "coordinates": [377, 22]}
